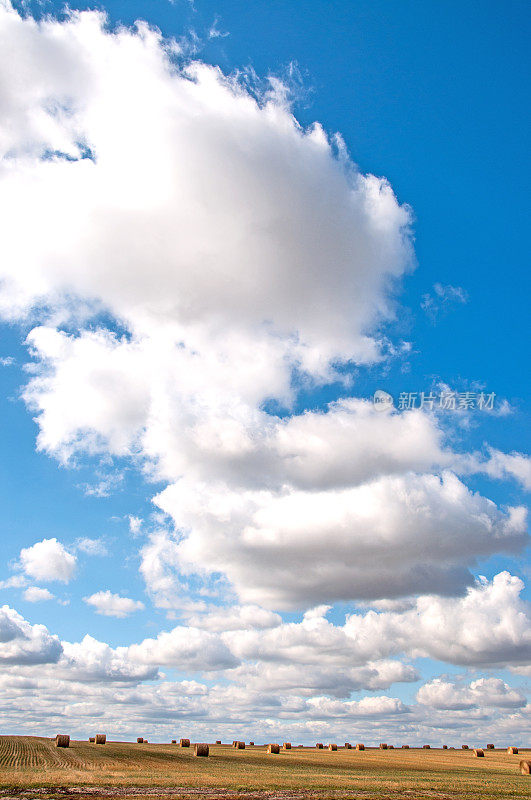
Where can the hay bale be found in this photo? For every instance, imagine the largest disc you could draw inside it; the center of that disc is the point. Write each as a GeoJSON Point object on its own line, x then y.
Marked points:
{"type": "Point", "coordinates": [184, 742]}
{"type": "Point", "coordinates": [174, 741]}
{"type": "Point", "coordinates": [383, 746]}
{"type": "Point", "coordinates": [92, 739]}
{"type": "Point", "coordinates": [218, 741]}
{"type": "Point", "coordinates": [525, 767]}
{"type": "Point", "coordinates": [490, 747]}
{"type": "Point", "coordinates": [240, 746]}
{"type": "Point", "coordinates": [512, 751]}
{"type": "Point", "coordinates": [391, 747]}
{"type": "Point", "coordinates": [273, 748]}
{"type": "Point", "coordinates": [426, 747]}
{"type": "Point", "coordinates": [62, 740]}
{"type": "Point", "coordinates": [319, 745]}
{"type": "Point", "coordinates": [201, 750]}
{"type": "Point", "coordinates": [234, 743]}
{"type": "Point", "coordinates": [445, 747]}
{"type": "Point", "coordinates": [348, 746]}
{"type": "Point", "coordinates": [332, 746]}
{"type": "Point", "coordinates": [464, 747]}
{"type": "Point", "coordinates": [139, 740]}
{"type": "Point", "coordinates": [286, 746]}
{"type": "Point", "coordinates": [251, 744]}
{"type": "Point", "coordinates": [405, 747]}
{"type": "Point", "coordinates": [478, 752]}
{"type": "Point", "coordinates": [145, 741]}
{"type": "Point", "coordinates": [101, 738]}
{"type": "Point", "coordinates": [360, 747]}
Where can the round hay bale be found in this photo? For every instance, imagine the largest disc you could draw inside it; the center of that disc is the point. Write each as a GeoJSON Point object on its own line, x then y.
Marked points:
{"type": "Point", "coordinates": [383, 746]}
{"type": "Point", "coordinates": [478, 752]}
{"type": "Point", "coordinates": [426, 746]}
{"type": "Point", "coordinates": [145, 741]}
{"type": "Point", "coordinates": [62, 740]}
{"type": "Point", "coordinates": [525, 767]}
{"type": "Point", "coordinates": [140, 740]}
{"type": "Point", "coordinates": [92, 739]}
{"type": "Point", "coordinates": [201, 750]}
{"type": "Point", "coordinates": [348, 746]}
{"type": "Point", "coordinates": [251, 744]}
{"type": "Point", "coordinates": [405, 747]}
{"type": "Point", "coordinates": [360, 746]}
{"type": "Point", "coordinates": [319, 745]}
{"type": "Point", "coordinates": [332, 746]}
{"type": "Point", "coordinates": [185, 743]}
{"type": "Point", "coordinates": [512, 751]}
{"type": "Point", "coordinates": [445, 747]}
{"type": "Point", "coordinates": [273, 748]}
{"type": "Point", "coordinates": [240, 745]}
{"type": "Point", "coordinates": [464, 747]}
{"type": "Point", "coordinates": [174, 741]}
{"type": "Point", "coordinates": [490, 747]}
{"type": "Point", "coordinates": [286, 746]}
{"type": "Point", "coordinates": [218, 741]}
{"type": "Point", "coordinates": [391, 747]}
{"type": "Point", "coordinates": [101, 738]}
{"type": "Point", "coordinates": [234, 743]}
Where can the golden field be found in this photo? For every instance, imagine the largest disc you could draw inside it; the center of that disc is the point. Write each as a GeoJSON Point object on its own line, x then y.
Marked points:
{"type": "Point", "coordinates": [35, 767]}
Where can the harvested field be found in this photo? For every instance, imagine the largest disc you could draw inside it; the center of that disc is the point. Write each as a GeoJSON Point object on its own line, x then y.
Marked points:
{"type": "Point", "coordinates": [33, 767]}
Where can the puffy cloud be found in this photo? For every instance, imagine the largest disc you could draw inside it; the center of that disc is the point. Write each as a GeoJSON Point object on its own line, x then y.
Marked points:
{"type": "Point", "coordinates": [482, 693]}
{"type": "Point", "coordinates": [270, 202]}
{"type": "Point", "coordinates": [487, 627]}
{"type": "Point", "coordinates": [367, 707]}
{"type": "Point", "coordinates": [113, 605]}
{"type": "Point", "coordinates": [185, 648]}
{"type": "Point", "coordinates": [221, 619]}
{"type": "Point", "coordinates": [386, 538]}
{"type": "Point", "coordinates": [503, 465]}
{"type": "Point", "coordinates": [34, 594]}
{"type": "Point", "coordinates": [23, 643]}
{"type": "Point", "coordinates": [309, 680]}
{"type": "Point", "coordinates": [91, 660]}
{"type": "Point", "coordinates": [48, 560]}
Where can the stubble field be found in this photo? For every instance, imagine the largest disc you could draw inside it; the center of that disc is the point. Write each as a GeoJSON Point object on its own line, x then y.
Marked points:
{"type": "Point", "coordinates": [33, 767]}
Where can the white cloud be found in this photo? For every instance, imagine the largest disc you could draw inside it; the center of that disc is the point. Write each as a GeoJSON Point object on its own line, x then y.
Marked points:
{"type": "Point", "coordinates": [277, 205]}
{"type": "Point", "coordinates": [14, 582]}
{"type": "Point", "coordinates": [23, 643]}
{"type": "Point", "coordinates": [503, 465]}
{"type": "Point", "coordinates": [390, 537]}
{"type": "Point", "coordinates": [442, 299]}
{"type": "Point", "coordinates": [92, 547]}
{"type": "Point", "coordinates": [485, 692]}
{"type": "Point", "coordinates": [489, 626]}
{"type": "Point", "coordinates": [34, 594]}
{"type": "Point", "coordinates": [191, 649]}
{"type": "Point", "coordinates": [113, 605]}
{"type": "Point", "coordinates": [48, 560]}
{"type": "Point", "coordinates": [91, 660]}
{"type": "Point", "coordinates": [234, 618]}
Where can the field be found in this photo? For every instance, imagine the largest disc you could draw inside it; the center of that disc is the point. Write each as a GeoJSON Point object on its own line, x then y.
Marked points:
{"type": "Point", "coordinates": [32, 767]}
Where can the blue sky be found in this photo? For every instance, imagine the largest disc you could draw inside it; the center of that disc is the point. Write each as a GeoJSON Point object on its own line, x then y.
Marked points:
{"type": "Point", "coordinates": [434, 98]}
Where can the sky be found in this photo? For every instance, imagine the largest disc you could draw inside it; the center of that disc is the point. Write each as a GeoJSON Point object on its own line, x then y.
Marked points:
{"type": "Point", "coordinates": [264, 371]}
